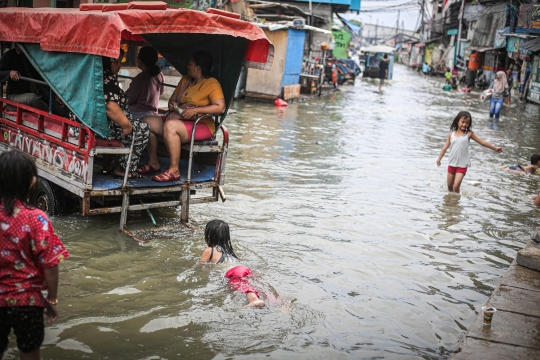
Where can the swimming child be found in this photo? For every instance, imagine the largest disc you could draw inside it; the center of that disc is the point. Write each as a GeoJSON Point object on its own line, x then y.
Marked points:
{"type": "Point", "coordinates": [454, 75]}
{"type": "Point", "coordinates": [30, 253]}
{"type": "Point", "coordinates": [522, 170]}
{"type": "Point", "coordinates": [448, 76]}
{"type": "Point", "coordinates": [220, 251]}
{"type": "Point", "coordinates": [458, 141]}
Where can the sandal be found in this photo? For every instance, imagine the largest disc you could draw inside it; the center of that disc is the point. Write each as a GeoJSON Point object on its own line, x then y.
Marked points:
{"type": "Point", "coordinates": [148, 169]}
{"type": "Point", "coordinates": [166, 176]}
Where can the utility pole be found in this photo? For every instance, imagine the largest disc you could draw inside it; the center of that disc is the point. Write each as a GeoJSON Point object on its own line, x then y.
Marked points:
{"type": "Point", "coordinates": [376, 26]}
{"type": "Point", "coordinates": [397, 23]}
{"type": "Point", "coordinates": [422, 22]}
{"type": "Point", "coordinates": [458, 48]}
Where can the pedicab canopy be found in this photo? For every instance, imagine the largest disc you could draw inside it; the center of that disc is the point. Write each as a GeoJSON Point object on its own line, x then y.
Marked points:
{"type": "Point", "coordinates": [66, 46]}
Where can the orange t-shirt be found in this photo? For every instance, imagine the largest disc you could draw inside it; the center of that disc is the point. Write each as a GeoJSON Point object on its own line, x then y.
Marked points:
{"type": "Point", "coordinates": [200, 94]}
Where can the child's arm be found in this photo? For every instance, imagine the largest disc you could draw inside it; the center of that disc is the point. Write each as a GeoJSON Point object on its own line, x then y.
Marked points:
{"type": "Point", "coordinates": [486, 144]}
{"type": "Point", "coordinates": [443, 151]}
{"type": "Point", "coordinates": [51, 277]}
{"type": "Point", "coordinates": [205, 257]}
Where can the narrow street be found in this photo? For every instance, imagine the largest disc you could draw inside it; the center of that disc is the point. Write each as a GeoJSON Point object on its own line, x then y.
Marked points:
{"type": "Point", "coordinates": [338, 206]}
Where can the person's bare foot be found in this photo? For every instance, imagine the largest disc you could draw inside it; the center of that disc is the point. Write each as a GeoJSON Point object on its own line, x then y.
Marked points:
{"type": "Point", "coordinates": [256, 303]}
{"type": "Point", "coordinates": [120, 172]}
{"type": "Point", "coordinates": [254, 300]}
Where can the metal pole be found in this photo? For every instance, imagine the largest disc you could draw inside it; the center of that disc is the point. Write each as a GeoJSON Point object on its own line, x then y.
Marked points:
{"type": "Point", "coordinates": [50, 101]}
{"type": "Point", "coordinates": [397, 24]}
{"type": "Point", "coordinates": [376, 26]}
{"type": "Point", "coordinates": [422, 22]}
{"type": "Point", "coordinates": [459, 30]}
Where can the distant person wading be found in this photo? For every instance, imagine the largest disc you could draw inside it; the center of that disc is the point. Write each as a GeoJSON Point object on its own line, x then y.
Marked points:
{"type": "Point", "coordinates": [383, 71]}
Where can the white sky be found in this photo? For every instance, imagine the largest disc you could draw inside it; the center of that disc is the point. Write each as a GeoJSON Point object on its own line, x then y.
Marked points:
{"type": "Point", "coordinates": [408, 17]}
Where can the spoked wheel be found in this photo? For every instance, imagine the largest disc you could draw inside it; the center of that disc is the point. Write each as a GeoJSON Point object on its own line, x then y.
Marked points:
{"type": "Point", "coordinates": [49, 198]}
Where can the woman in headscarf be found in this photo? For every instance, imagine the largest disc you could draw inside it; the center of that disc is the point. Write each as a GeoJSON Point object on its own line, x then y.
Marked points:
{"type": "Point", "coordinates": [145, 89]}
{"type": "Point", "coordinates": [121, 123]}
{"type": "Point", "coordinates": [500, 91]}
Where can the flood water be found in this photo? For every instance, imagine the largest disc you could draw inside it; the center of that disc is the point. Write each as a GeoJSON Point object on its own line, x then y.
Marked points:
{"type": "Point", "coordinates": [339, 208]}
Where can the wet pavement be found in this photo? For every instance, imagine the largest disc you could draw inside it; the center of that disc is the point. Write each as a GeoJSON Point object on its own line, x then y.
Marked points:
{"type": "Point", "coordinates": [513, 330]}
{"type": "Point", "coordinates": [340, 210]}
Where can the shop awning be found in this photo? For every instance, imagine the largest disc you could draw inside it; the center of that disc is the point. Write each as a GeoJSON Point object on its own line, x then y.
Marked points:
{"type": "Point", "coordinates": [379, 49]}
{"type": "Point", "coordinates": [532, 45]}
{"type": "Point", "coordinates": [521, 36]}
{"type": "Point", "coordinates": [283, 25]}
{"type": "Point", "coordinates": [480, 48]}
{"type": "Point", "coordinates": [354, 28]}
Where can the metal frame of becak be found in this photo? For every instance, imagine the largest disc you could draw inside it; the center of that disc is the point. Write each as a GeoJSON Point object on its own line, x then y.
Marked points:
{"type": "Point", "coordinates": [69, 162]}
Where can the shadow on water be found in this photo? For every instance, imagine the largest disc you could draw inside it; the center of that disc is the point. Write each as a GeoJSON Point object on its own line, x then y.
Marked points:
{"type": "Point", "coordinates": [338, 207]}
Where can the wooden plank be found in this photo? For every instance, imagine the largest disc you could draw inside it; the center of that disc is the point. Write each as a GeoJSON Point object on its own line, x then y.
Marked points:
{"type": "Point", "coordinates": [291, 92]}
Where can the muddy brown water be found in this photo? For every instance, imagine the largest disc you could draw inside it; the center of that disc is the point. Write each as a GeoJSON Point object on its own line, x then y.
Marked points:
{"type": "Point", "coordinates": [338, 207]}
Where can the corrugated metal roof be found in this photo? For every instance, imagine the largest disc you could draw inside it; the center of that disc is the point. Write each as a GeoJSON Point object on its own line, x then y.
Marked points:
{"type": "Point", "coordinates": [532, 45]}
{"type": "Point", "coordinates": [487, 24]}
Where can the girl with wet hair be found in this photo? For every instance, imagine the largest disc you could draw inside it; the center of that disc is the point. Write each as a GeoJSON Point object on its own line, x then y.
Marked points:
{"type": "Point", "coordinates": [219, 251]}
{"type": "Point", "coordinates": [145, 89]}
{"type": "Point", "coordinates": [458, 142]}
{"type": "Point", "coordinates": [18, 176]}
{"type": "Point", "coordinates": [217, 236]}
{"type": "Point", "coordinates": [31, 252]}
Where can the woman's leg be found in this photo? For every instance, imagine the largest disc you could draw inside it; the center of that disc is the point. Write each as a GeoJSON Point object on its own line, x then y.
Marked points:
{"type": "Point", "coordinates": [156, 129]}
{"type": "Point", "coordinates": [174, 134]}
{"type": "Point", "coordinates": [457, 182]}
{"type": "Point", "coordinates": [491, 108]}
{"type": "Point", "coordinates": [450, 181]}
{"type": "Point", "coordinates": [141, 131]}
{"type": "Point", "coordinates": [498, 106]}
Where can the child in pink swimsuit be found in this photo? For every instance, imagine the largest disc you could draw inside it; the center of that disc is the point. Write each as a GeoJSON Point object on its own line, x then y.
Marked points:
{"type": "Point", "coordinates": [220, 251]}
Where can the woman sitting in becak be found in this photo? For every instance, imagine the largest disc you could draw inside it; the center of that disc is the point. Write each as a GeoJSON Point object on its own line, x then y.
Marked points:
{"type": "Point", "coordinates": [197, 93]}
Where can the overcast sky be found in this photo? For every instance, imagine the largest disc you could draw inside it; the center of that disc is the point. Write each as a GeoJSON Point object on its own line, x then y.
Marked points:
{"type": "Point", "coordinates": [409, 17]}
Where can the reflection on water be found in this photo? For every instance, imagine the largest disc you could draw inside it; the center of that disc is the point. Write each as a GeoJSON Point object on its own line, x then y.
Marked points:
{"type": "Point", "coordinates": [450, 211]}
{"type": "Point", "coordinates": [338, 207]}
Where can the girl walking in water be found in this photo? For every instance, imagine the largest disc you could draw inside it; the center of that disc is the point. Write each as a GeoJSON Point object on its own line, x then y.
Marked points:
{"type": "Point", "coordinates": [458, 141]}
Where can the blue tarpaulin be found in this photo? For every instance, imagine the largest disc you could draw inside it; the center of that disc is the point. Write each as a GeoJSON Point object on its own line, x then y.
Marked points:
{"type": "Point", "coordinates": [354, 28]}
{"type": "Point", "coordinates": [77, 79]}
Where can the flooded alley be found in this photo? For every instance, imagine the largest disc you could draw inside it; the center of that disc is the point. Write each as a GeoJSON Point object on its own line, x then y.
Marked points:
{"type": "Point", "coordinates": [339, 208]}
